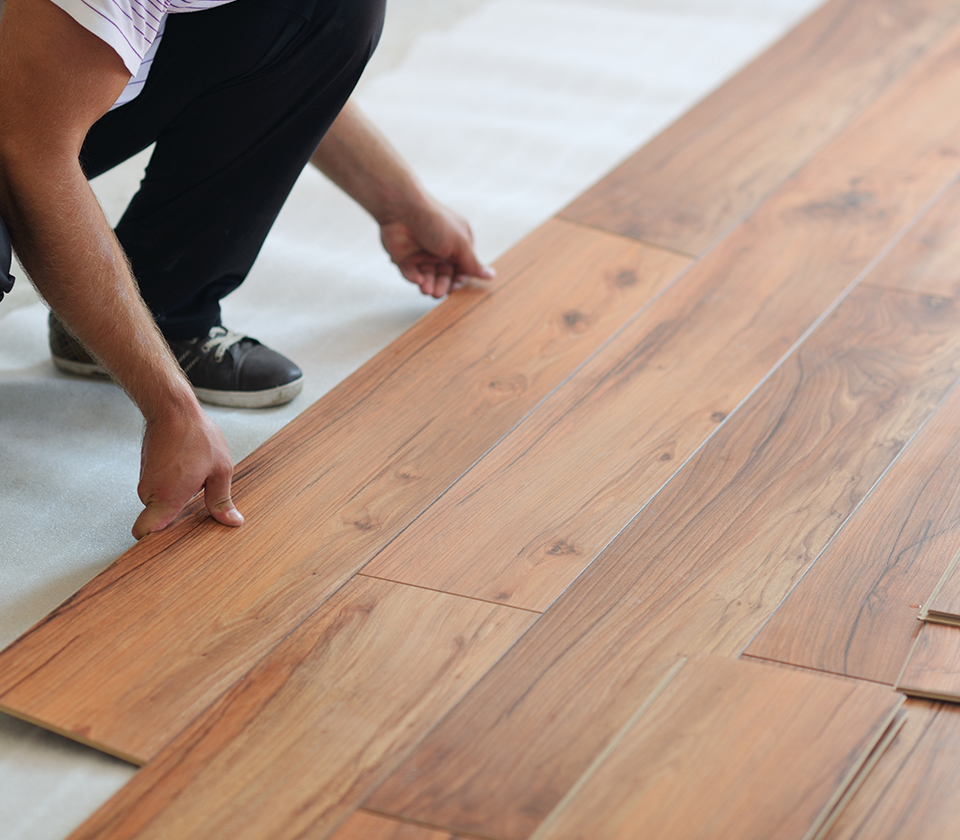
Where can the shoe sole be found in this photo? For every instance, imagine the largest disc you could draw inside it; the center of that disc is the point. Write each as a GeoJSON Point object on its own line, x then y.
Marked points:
{"type": "Point", "coordinates": [79, 368]}
{"type": "Point", "coordinates": [251, 399]}
{"type": "Point", "coordinates": [280, 395]}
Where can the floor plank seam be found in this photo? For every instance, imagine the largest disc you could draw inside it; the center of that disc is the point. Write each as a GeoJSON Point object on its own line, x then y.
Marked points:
{"type": "Point", "coordinates": [648, 242]}
{"type": "Point", "coordinates": [451, 594]}
{"type": "Point", "coordinates": [458, 835]}
{"type": "Point", "coordinates": [749, 657]}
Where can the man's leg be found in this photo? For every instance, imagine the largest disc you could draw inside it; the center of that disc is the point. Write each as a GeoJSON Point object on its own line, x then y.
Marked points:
{"type": "Point", "coordinates": [237, 100]}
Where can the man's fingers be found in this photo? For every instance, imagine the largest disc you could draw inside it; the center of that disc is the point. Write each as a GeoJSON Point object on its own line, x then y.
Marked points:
{"type": "Point", "coordinates": [469, 264]}
{"type": "Point", "coordinates": [216, 496]}
{"type": "Point", "coordinates": [444, 277]}
{"type": "Point", "coordinates": [154, 517]}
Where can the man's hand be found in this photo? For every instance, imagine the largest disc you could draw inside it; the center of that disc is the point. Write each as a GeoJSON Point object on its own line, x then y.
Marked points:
{"type": "Point", "coordinates": [183, 453]}
{"type": "Point", "coordinates": [431, 245]}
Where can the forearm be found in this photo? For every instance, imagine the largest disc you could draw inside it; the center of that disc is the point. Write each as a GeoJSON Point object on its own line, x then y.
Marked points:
{"type": "Point", "coordinates": [73, 258]}
{"type": "Point", "coordinates": [361, 161]}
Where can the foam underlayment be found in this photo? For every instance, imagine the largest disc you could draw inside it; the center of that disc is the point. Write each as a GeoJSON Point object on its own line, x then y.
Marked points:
{"type": "Point", "coordinates": [507, 109]}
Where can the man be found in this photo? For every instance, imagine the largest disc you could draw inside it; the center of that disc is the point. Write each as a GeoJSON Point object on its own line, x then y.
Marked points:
{"type": "Point", "coordinates": [237, 97]}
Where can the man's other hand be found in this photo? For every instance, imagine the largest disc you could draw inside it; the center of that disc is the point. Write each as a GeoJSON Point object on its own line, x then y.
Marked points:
{"type": "Point", "coordinates": [433, 248]}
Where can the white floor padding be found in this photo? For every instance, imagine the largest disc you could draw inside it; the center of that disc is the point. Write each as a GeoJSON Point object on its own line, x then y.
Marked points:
{"type": "Point", "coordinates": [507, 109]}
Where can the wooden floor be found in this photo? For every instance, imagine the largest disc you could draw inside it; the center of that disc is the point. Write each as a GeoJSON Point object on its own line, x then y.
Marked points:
{"type": "Point", "coordinates": [631, 544]}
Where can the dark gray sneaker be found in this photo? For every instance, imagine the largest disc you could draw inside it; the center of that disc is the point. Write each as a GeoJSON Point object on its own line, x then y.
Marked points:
{"type": "Point", "coordinates": [227, 368]}
{"type": "Point", "coordinates": [224, 367]}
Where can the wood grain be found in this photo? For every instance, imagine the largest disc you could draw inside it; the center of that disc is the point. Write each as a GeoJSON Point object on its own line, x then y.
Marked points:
{"type": "Point", "coordinates": [291, 750]}
{"type": "Point", "coordinates": [789, 744]}
{"type": "Point", "coordinates": [366, 826]}
{"type": "Point", "coordinates": [913, 791]}
{"type": "Point", "coordinates": [646, 402]}
{"type": "Point", "coordinates": [708, 170]}
{"type": "Point", "coordinates": [855, 612]}
{"type": "Point", "coordinates": [933, 668]}
{"type": "Point", "coordinates": [925, 260]}
{"type": "Point", "coordinates": [192, 609]}
{"type": "Point", "coordinates": [698, 570]}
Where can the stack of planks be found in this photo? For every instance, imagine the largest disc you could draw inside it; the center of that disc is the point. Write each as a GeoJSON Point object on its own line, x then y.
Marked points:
{"type": "Point", "coordinates": [933, 667]}
{"type": "Point", "coordinates": [630, 544]}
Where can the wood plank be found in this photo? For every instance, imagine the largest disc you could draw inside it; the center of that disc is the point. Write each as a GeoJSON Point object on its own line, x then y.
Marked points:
{"type": "Point", "coordinates": [932, 670]}
{"type": "Point", "coordinates": [730, 749]}
{"type": "Point", "coordinates": [925, 260]}
{"type": "Point", "coordinates": [855, 612]}
{"type": "Point", "coordinates": [650, 397]}
{"type": "Point", "coordinates": [943, 605]}
{"type": "Point", "coordinates": [697, 571]}
{"type": "Point", "coordinates": [708, 170]}
{"type": "Point", "coordinates": [198, 605]}
{"type": "Point", "coordinates": [291, 750]}
{"type": "Point", "coordinates": [913, 791]}
{"type": "Point", "coordinates": [366, 826]}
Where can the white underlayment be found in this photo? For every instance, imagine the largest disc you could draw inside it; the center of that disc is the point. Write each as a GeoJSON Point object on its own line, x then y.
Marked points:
{"type": "Point", "coordinates": [507, 109]}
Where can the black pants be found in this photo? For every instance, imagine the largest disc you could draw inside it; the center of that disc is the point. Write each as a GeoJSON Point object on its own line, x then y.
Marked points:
{"type": "Point", "coordinates": [237, 100]}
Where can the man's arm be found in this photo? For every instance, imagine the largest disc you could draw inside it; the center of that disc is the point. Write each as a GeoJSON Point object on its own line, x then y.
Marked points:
{"type": "Point", "coordinates": [56, 80]}
{"type": "Point", "coordinates": [431, 245]}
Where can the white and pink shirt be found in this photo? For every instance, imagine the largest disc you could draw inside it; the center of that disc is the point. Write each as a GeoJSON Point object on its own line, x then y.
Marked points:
{"type": "Point", "coordinates": [132, 27]}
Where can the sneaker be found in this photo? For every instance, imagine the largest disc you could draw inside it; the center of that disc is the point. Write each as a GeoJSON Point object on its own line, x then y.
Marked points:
{"type": "Point", "coordinates": [228, 368]}
{"type": "Point", "coordinates": [224, 367]}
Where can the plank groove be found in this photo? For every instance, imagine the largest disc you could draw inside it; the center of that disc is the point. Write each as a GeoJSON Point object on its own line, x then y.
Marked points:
{"type": "Point", "coordinates": [198, 605]}
{"type": "Point", "coordinates": [790, 743]}
{"type": "Point", "coordinates": [943, 605]}
{"type": "Point", "coordinates": [646, 401]}
{"type": "Point", "coordinates": [932, 670]}
{"type": "Point", "coordinates": [913, 791]}
{"type": "Point", "coordinates": [292, 750]}
{"type": "Point", "coordinates": [708, 170]}
{"type": "Point", "coordinates": [697, 571]}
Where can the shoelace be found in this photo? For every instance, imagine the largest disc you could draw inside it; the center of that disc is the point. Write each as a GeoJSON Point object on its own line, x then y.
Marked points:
{"type": "Point", "coordinates": [221, 339]}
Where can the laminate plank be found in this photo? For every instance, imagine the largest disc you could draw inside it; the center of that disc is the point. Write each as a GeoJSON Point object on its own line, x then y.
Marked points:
{"type": "Point", "coordinates": [697, 571]}
{"type": "Point", "coordinates": [615, 432]}
{"type": "Point", "coordinates": [943, 605]}
{"type": "Point", "coordinates": [731, 749]}
{"type": "Point", "coordinates": [913, 791]}
{"type": "Point", "coordinates": [191, 609]}
{"type": "Point", "coordinates": [291, 750]}
{"type": "Point", "coordinates": [366, 826]}
{"type": "Point", "coordinates": [925, 260]}
{"type": "Point", "coordinates": [855, 612]}
{"type": "Point", "coordinates": [708, 170]}
{"type": "Point", "coordinates": [932, 670]}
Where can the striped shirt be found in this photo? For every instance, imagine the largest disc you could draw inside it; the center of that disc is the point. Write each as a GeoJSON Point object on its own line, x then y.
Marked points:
{"type": "Point", "coordinates": [132, 27]}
